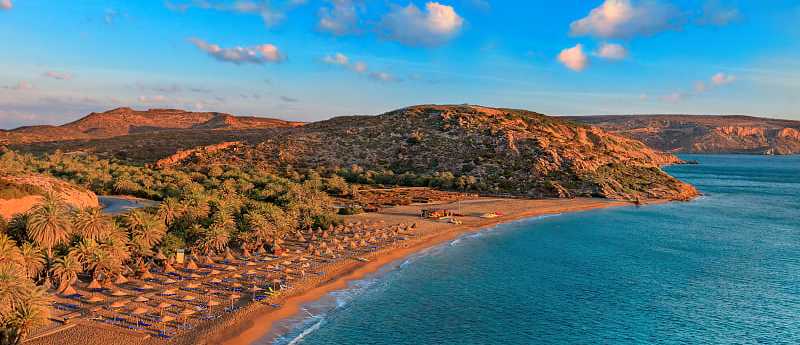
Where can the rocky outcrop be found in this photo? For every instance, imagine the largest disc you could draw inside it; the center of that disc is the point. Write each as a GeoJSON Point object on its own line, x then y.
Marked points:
{"type": "Point", "coordinates": [704, 133]}
{"type": "Point", "coordinates": [180, 156]}
{"type": "Point", "coordinates": [21, 193]}
{"type": "Point", "coordinates": [503, 150]}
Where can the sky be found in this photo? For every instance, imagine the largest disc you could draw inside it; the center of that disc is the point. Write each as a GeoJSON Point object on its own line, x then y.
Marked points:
{"type": "Point", "coordinates": [314, 59]}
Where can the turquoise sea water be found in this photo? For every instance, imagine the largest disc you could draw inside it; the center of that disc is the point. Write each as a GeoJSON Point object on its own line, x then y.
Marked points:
{"type": "Point", "coordinates": [724, 269]}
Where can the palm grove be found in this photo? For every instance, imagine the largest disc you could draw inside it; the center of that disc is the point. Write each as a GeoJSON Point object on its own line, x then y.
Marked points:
{"type": "Point", "coordinates": [203, 209]}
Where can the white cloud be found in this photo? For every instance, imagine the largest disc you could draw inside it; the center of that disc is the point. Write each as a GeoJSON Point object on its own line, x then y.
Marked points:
{"type": "Point", "coordinates": [153, 99]}
{"type": "Point", "coordinates": [20, 86]}
{"type": "Point", "coordinates": [341, 18]}
{"type": "Point", "coordinates": [612, 51]}
{"type": "Point", "coordinates": [359, 67]}
{"type": "Point", "coordinates": [411, 26]}
{"type": "Point", "coordinates": [239, 55]}
{"type": "Point", "coordinates": [720, 79]}
{"type": "Point", "coordinates": [626, 19]}
{"type": "Point", "coordinates": [57, 75]}
{"type": "Point", "coordinates": [574, 58]}
{"type": "Point", "coordinates": [717, 13]}
{"type": "Point", "coordinates": [6, 4]}
{"type": "Point", "coordinates": [382, 76]}
{"type": "Point", "coordinates": [700, 87]}
{"type": "Point", "coordinates": [674, 97]}
{"type": "Point", "coordinates": [337, 59]}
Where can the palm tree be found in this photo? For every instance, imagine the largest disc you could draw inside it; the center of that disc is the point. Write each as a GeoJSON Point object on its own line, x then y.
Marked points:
{"type": "Point", "coordinates": [169, 210]}
{"type": "Point", "coordinates": [49, 223]}
{"type": "Point", "coordinates": [23, 305]}
{"type": "Point", "coordinates": [91, 223]}
{"type": "Point", "coordinates": [146, 230]}
{"type": "Point", "coordinates": [65, 270]}
{"type": "Point", "coordinates": [9, 252]}
{"type": "Point", "coordinates": [32, 260]}
{"type": "Point", "coordinates": [32, 312]}
{"type": "Point", "coordinates": [216, 238]}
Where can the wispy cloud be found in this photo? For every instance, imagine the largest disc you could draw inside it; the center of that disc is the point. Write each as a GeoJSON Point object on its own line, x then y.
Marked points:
{"type": "Point", "coordinates": [574, 58]}
{"type": "Point", "coordinates": [339, 18]}
{"type": "Point", "coordinates": [700, 87]}
{"type": "Point", "coordinates": [359, 67]}
{"type": "Point", "coordinates": [241, 55]}
{"type": "Point", "coordinates": [6, 5]}
{"type": "Point", "coordinates": [717, 13]}
{"type": "Point", "coordinates": [57, 75]}
{"type": "Point", "coordinates": [409, 25]}
{"type": "Point", "coordinates": [612, 51]}
{"type": "Point", "coordinates": [22, 85]}
{"type": "Point", "coordinates": [289, 99]}
{"type": "Point", "coordinates": [271, 15]}
{"type": "Point", "coordinates": [626, 19]}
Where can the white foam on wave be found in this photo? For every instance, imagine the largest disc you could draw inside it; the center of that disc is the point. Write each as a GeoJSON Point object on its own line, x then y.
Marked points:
{"type": "Point", "coordinates": [300, 337]}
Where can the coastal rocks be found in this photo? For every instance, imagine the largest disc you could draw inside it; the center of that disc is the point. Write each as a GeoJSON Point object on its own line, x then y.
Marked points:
{"type": "Point", "coordinates": [704, 133]}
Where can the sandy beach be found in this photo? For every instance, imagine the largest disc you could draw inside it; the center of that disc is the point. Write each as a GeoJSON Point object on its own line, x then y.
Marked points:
{"type": "Point", "coordinates": [263, 319]}
{"type": "Point", "coordinates": [250, 321]}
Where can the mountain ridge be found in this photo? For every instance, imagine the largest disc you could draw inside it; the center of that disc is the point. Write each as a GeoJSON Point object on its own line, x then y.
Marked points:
{"type": "Point", "coordinates": [704, 133]}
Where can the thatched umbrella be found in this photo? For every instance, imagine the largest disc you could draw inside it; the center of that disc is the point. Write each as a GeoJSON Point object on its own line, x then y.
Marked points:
{"type": "Point", "coordinates": [236, 276]}
{"type": "Point", "coordinates": [139, 312]}
{"type": "Point", "coordinates": [233, 297]}
{"type": "Point", "coordinates": [68, 291]}
{"type": "Point", "coordinates": [141, 299]}
{"type": "Point", "coordinates": [94, 285]}
{"type": "Point", "coordinates": [145, 286]}
{"type": "Point", "coordinates": [192, 286]}
{"type": "Point", "coordinates": [168, 268]}
{"type": "Point", "coordinates": [120, 279]}
{"type": "Point", "coordinates": [194, 276]}
{"type": "Point", "coordinates": [208, 260]}
{"type": "Point", "coordinates": [362, 243]}
{"type": "Point", "coordinates": [162, 306]}
{"type": "Point", "coordinates": [229, 268]}
{"type": "Point", "coordinates": [228, 255]}
{"type": "Point", "coordinates": [261, 251]}
{"type": "Point", "coordinates": [215, 281]}
{"type": "Point", "coordinates": [169, 292]}
{"type": "Point", "coordinates": [118, 293]}
{"type": "Point", "coordinates": [211, 304]}
{"type": "Point", "coordinates": [186, 312]}
{"type": "Point", "coordinates": [353, 245]}
{"type": "Point", "coordinates": [163, 321]}
{"type": "Point", "coordinates": [191, 265]}
{"type": "Point", "coordinates": [245, 252]}
{"type": "Point", "coordinates": [188, 298]}
{"type": "Point", "coordinates": [95, 298]}
{"type": "Point", "coordinates": [146, 275]}
{"type": "Point", "coordinates": [254, 290]}
{"type": "Point", "coordinates": [169, 281]}
{"type": "Point", "coordinates": [118, 304]}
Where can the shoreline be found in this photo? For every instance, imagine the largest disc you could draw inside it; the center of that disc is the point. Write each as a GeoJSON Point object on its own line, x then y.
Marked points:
{"type": "Point", "coordinates": [258, 322]}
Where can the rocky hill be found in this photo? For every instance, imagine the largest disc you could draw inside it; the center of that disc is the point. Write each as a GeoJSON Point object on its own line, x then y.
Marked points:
{"type": "Point", "coordinates": [19, 193]}
{"type": "Point", "coordinates": [704, 133]}
{"type": "Point", "coordinates": [502, 150]}
{"type": "Point", "coordinates": [126, 121]}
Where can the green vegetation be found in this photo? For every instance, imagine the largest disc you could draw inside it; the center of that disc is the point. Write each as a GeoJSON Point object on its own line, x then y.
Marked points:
{"type": "Point", "coordinates": [9, 190]}
{"type": "Point", "coordinates": [204, 210]}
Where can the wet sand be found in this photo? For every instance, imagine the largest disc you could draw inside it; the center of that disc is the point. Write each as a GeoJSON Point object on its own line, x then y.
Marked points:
{"type": "Point", "coordinates": [258, 323]}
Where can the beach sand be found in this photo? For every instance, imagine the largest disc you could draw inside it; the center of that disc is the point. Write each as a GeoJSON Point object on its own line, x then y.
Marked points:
{"type": "Point", "coordinates": [255, 321]}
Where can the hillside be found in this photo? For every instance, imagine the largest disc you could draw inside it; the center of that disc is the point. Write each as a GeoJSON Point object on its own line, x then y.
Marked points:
{"type": "Point", "coordinates": [491, 150]}
{"type": "Point", "coordinates": [19, 194]}
{"type": "Point", "coordinates": [126, 121]}
{"type": "Point", "coordinates": [704, 133]}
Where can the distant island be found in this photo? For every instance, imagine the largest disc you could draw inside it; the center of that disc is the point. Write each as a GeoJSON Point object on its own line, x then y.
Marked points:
{"type": "Point", "coordinates": [704, 133]}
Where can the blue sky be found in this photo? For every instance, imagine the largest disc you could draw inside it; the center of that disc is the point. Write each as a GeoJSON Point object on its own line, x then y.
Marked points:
{"type": "Point", "coordinates": [314, 59]}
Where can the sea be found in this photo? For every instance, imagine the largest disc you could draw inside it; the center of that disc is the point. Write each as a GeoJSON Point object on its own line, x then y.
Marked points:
{"type": "Point", "coordinates": [722, 269]}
